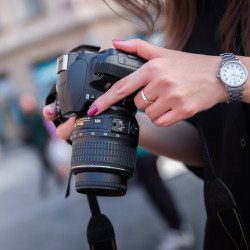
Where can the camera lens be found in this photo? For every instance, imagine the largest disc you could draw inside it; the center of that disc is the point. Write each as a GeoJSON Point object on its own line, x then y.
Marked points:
{"type": "Point", "coordinates": [101, 184]}
{"type": "Point", "coordinates": [104, 153]}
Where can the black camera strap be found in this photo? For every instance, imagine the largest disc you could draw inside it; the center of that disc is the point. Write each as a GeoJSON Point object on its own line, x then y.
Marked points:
{"type": "Point", "coordinates": [220, 203]}
{"type": "Point", "coordinates": [100, 232]}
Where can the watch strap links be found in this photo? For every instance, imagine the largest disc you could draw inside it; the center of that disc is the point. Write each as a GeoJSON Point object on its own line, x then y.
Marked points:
{"type": "Point", "coordinates": [226, 57]}
{"type": "Point", "coordinates": [235, 94]}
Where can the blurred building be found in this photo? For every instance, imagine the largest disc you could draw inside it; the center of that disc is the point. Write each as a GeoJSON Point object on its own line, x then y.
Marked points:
{"type": "Point", "coordinates": [34, 32]}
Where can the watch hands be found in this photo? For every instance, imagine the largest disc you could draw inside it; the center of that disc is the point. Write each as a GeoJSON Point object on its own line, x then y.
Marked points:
{"type": "Point", "coordinates": [236, 75]}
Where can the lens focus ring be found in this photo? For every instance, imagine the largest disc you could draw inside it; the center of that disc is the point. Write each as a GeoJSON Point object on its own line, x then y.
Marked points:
{"type": "Point", "coordinates": [104, 153]}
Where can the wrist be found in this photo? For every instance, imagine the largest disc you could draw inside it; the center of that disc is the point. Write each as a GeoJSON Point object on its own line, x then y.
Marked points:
{"type": "Point", "coordinates": [220, 91]}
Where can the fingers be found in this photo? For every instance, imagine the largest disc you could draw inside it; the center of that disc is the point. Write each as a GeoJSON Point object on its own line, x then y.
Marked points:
{"type": "Point", "coordinates": [157, 109]}
{"type": "Point", "coordinates": [132, 82]}
{"type": "Point", "coordinates": [49, 112]}
{"type": "Point", "coordinates": [65, 130]}
{"type": "Point", "coordinates": [168, 118]}
{"type": "Point", "coordinates": [139, 47]}
{"type": "Point", "coordinates": [119, 91]}
{"type": "Point", "coordinates": [153, 110]}
{"type": "Point", "coordinates": [147, 96]}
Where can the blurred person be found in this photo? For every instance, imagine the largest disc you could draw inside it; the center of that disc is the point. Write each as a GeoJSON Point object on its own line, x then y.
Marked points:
{"type": "Point", "coordinates": [179, 234]}
{"type": "Point", "coordinates": [181, 82]}
{"type": "Point", "coordinates": [36, 135]}
{"type": "Point", "coordinates": [59, 152]}
{"type": "Point", "coordinates": [6, 127]}
{"type": "Point", "coordinates": [2, 134]}
{"type": "Point", "coordinates": [2, 129]}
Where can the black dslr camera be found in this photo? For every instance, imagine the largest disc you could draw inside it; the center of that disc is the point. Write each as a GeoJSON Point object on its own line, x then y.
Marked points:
{"type": "Point", "coordinates": [103, 146]}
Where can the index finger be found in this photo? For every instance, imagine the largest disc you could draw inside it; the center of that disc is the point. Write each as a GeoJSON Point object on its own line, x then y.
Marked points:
{"type": "Point", "coordinates": [119, 91]}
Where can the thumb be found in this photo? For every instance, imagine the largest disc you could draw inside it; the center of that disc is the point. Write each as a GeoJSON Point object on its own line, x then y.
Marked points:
{"type": "Point", "coordinates": [139, 47]}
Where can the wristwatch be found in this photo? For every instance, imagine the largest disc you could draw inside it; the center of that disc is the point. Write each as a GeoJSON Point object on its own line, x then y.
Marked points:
{"type": "Point", "coordinates": [233, 75]}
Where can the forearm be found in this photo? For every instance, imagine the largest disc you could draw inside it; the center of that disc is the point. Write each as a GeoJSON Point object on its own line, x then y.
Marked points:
{"type": "Point", "coordinates": [180, 141]}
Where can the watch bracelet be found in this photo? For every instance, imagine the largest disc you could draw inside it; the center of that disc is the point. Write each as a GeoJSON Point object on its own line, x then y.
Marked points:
{"type": "Point", "coordinates": [234, 94]}
{"type": "Point", "coordinates": [228, 57]}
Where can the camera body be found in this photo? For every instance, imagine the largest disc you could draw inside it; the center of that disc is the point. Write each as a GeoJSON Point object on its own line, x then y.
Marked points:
{"type": "Point", "coordinates": [103, 146]}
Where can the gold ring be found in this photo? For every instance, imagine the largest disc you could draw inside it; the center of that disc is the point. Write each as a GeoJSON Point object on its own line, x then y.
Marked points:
{"type": "Point", "coordinates": [145, 99]}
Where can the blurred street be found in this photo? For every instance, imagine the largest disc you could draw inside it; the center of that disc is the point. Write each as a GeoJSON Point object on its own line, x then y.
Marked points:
{"type": "Point", "coordinates": [29, 221]}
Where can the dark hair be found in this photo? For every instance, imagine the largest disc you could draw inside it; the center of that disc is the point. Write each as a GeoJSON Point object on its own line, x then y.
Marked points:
{"type": "Point", "coordinates": [179, 17]}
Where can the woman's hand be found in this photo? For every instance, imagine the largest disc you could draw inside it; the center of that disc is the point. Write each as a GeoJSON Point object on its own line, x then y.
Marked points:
{"type": "Point", "coordinates": [63, 131]}
{"type": "Point", "coordinates": [177, 84]}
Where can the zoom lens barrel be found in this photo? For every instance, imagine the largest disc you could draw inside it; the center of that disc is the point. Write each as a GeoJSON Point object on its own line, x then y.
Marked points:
{"type": "Point", "coordinates": [104, 153]}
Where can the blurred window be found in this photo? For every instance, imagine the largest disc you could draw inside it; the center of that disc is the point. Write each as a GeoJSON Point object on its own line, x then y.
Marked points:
{"type": "Point", "coordinates": [34, 7]}
{"type": "Point", "coordinates": [5, 89]}
{"type": "Point", "coordinates": [45, 77]}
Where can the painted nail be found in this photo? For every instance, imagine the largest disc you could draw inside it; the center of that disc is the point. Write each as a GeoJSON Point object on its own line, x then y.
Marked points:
{"type": "Point", "coordinates": [49, 111]}
{"type": "Point", "coordinates": [92, 110]}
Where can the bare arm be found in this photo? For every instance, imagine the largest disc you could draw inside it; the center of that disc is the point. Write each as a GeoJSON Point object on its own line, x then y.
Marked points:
{"type": "Point", "coordinates": [180, 141]}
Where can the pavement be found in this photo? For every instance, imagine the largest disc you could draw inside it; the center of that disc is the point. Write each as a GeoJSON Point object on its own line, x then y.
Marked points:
{"type": "Point", "coordinates": [30, 221]}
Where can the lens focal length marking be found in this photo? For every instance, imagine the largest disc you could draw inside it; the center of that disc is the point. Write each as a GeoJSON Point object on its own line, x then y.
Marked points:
{"type": "Point", "coordinates": [101, 134]}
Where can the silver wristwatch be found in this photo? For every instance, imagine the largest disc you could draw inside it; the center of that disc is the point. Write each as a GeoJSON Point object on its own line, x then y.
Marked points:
{"type": "Point", "coordinates": [233, 74]}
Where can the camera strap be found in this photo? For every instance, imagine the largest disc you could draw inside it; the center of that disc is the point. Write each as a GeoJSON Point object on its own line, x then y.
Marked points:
{"type": "Point", "coordinates": [220, 203]}
{"type": "Point", "coordinates": [100, 232]}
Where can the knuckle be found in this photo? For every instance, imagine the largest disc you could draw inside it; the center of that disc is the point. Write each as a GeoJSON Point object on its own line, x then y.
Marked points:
{"type": "Point", "coordinates": [139, 105]}
{"type": "Point", "coordinates": [176, 97]}
{"type": "Point", "coordinates": [187, 110]}
{"type": "Point", "coordinates": [141, 108]}
{"type": "Point", "coordinates": [153, 66]}
{"type": "Point", "coordinates": [120, 89]}
{"type": "Point", "coordinates": [159, 122]}
{"type": "Point", "coordinates": [162, 82]}
{"type": "Point", "coordinates": [149, 112]}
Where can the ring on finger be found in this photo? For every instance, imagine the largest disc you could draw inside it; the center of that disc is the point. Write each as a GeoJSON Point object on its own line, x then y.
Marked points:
{"type": "Point", "coordinates": [145, 99]}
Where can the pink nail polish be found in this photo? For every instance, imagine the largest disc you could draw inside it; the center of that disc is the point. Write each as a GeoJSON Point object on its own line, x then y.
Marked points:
{"type": "Point", "coordinates": [92, 110]}
{"type": "Point", "coordinates": [49, 112]}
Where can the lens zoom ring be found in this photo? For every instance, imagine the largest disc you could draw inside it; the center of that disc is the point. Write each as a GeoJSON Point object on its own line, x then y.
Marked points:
{"type": "Point", "coordinates": [110, 153]}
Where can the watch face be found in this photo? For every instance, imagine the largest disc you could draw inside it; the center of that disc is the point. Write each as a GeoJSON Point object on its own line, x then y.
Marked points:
{"type": "Point", "coordinates": [233, 73]}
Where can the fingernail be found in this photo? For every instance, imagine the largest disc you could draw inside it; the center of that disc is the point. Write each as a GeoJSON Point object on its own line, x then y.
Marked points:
{"type": "Point", "coordinates": [92, 110]}
{"type": "Point", "coordinates": [49, 111]}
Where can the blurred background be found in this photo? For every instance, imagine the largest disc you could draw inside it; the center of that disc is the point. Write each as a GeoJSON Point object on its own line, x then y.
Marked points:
{"type": "Point", "coordinates": [34, 164]}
